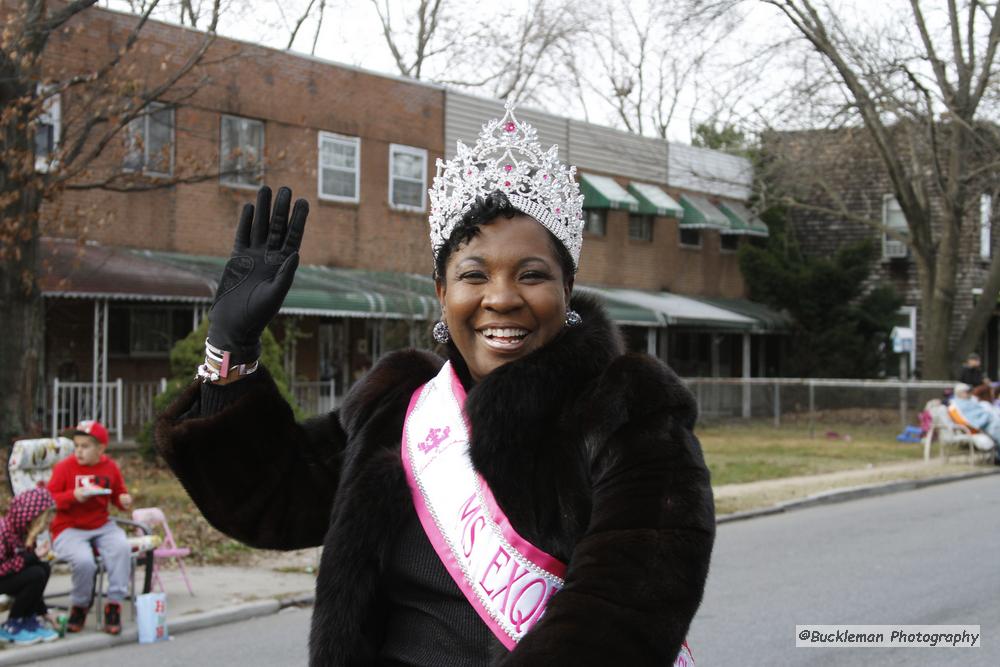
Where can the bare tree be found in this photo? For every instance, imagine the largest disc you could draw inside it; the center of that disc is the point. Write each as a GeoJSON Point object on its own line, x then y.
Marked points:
{"type": "Point", "coordinates": [922, 87]}
{"type": "Point", "coordinates": [99, 106]}
{"type": "Point", "coordinates": [511, 53]}
{"type": "Point", "coordinates": [650, 57]}
{"type": "Point", "coordinates": [414, 40]}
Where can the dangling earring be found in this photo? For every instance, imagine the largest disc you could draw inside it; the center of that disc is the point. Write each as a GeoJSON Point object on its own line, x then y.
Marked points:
{"type": "Point", "coordinates": [573, 318]}
{"type": "Point", "coordinates": [441, 333]}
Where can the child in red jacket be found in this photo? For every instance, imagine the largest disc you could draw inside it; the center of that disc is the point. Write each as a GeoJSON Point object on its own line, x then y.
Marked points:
{"type": "Point", "coordinates": [82, 486]}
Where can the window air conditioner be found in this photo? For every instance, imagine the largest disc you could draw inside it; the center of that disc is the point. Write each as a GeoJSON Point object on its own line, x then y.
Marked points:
{"type": "Point", "coordinates": [895, 249]}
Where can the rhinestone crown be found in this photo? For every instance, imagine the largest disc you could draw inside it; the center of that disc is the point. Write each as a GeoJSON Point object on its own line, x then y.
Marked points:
{"type": "Point", "coordinates": [508, 158]}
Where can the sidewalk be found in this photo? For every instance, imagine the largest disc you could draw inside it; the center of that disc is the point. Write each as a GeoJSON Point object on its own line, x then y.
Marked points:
{"type": "Point", "coordinates": [739, 501]}
{"type": "Point", "coordinates": [229, 594]}
{"type": "Point", "coordinates": [222, 595]}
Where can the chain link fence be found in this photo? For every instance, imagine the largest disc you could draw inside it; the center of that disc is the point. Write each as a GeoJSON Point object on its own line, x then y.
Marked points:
{"type": "Point", "coordinates": [813, 401]}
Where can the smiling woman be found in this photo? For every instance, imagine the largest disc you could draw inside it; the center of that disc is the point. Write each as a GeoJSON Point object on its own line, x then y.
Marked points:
{"type": "Point", "coordinates": [505, 292]}
{"type": "Point", "coordinates": [537, 498]}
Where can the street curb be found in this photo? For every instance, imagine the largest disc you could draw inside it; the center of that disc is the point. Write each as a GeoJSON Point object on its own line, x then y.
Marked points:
{"type": "Point", "coordinates": [853, 493]}
{"type": "Point", "coordinates": [130, 635]}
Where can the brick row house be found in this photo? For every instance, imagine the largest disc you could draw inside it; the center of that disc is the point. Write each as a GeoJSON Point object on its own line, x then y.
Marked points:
{"type": "Point", "coordinates": [128, 273]}
{"type": "Point", "coordinates": [840, 168]}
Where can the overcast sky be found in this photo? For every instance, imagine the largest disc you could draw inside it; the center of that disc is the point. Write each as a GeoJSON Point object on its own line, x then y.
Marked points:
{"type": "Point", "coordinates": [351, 33]}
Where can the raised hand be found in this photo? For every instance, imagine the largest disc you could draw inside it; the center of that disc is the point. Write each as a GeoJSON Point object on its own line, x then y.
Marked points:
{"type": "Point", "coordinates": [258, 274]}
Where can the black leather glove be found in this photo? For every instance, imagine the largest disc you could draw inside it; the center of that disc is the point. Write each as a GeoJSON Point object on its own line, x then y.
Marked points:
{"type": "Point", "coordinates": [258, 274]}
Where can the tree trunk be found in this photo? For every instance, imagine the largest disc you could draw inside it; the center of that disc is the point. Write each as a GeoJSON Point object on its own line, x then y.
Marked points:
{"type": "Point", "coordinates": [938, 304]}
{"type": "Point", "coordinates": [22, 315]}
{"type": "Point", "coordinates": [937, 320]}
{"type": "Point", "coordinates": [20, 299]}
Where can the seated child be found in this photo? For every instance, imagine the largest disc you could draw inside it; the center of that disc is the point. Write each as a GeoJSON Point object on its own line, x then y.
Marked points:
{"type": "Point", "coordinates": [83, 485]}
{"type": "Point", "coordinates": [22, 575]}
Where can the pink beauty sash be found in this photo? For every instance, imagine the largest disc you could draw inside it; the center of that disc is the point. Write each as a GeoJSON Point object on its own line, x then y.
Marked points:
{"type": "Point", "coordinates": [506, 579]}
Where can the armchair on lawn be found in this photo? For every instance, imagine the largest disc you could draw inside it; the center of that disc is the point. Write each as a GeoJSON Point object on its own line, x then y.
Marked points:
{"type": "Point", "coordinates": [948, 433]}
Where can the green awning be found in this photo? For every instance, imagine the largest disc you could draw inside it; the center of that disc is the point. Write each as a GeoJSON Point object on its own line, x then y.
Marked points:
{"type": "Point", "coordinates": [683, 311]}
{"type": "Point", "coordinates": [768, 320]}
{"type": "Point", "coordinates": [742, 220]}
{"type": "Point", "coordinates": [699, 213]}
{"type": "Point", "coordinates": [654, 201]}
{"type": "Point", "coordinates": [109, 272]}
{"type": "Point", "coordinates": [621, 311]}
{"type": "Point", "coordinates": [604, 192]}
{"type": "Point", "coordinates": [336, 292]}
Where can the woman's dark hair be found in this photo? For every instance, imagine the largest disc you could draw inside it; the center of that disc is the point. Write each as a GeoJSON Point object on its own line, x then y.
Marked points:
{"type": "Point", "coordinates": [485, 211]}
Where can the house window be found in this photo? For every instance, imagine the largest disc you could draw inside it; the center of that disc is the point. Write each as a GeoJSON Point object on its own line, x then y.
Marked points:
{"type": "Point", "coordinates": [640, 227]}
{"type": "Point", "coordinates": [595, 221]}
{"type": "Point", "coordinates": [241, 152]}
{"type": "Point", "coordinates": [149, 141]}
{"type": "Point", "coordinates": [146, 331]}
{"type": "Point", "coordinates": [729, 242]}
{"type": "Point", "coordinates": [691, 237]}
{"type": "Point", "coordinates": [47, 131]}
{"type": "Point", "coordinates": [985, 226]}
{"type": "Point", "coordinates": [893, 218]}
{"type": "Point", "coordinates": [407, 177]}
{"type": "Point", "coordinates": [339, 167]}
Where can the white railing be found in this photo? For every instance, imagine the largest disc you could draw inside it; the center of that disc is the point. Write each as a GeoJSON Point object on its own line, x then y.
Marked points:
{"type": "Point", "coordinates": [316, 398]}
{"type": "Point", "coordinates": [75, 401]}
{"type": "Point", "coordinates": [139, 402]}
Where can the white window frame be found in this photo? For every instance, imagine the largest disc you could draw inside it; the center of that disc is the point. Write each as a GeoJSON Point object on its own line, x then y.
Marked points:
{"type": "Point", "coordinates": [723, 248]}
{"type": "Point", "coordinates": [144, 118]}
{"type": "Point", "coordinates": [410, 150]}
{"type": "Point", "coordinates": [911, 313]}
{"type": "Point", "coordinates": [887, 202]}
{"type": "Point", "coordinates": [602, 214]}
{"type": "Point", "coordinates": [346, 141]}
{"type": "Point", "coordinates": [51, 115]}
{"type": "Point", "coordinates": [643, 219]}
{"type": "Point", "coordinates": [985, 227]}
{"type": "Point", "coordinates": [263, 142]}
{"type": "Point", "coordinates": [680, 238]}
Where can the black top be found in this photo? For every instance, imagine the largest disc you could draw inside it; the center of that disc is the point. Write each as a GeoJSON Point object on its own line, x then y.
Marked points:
{"type": "Point", "coordinates": [429, 623]}
{"type": "Point", "coordinates": [971, 376]}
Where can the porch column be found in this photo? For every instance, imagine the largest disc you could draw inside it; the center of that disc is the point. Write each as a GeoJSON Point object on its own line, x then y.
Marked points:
{"type": "Point", "coordinates": [651, 341]}
{"type": "Point", "coordinates": [746, 375]}
{"type": "Point", "coordinates": [99, 375]}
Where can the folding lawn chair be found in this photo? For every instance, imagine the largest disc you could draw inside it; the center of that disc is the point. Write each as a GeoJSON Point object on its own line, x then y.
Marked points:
{"type": "Point", "coordinates": [30, 465]}
{"type": "Point", "coordinates": [153, 517]}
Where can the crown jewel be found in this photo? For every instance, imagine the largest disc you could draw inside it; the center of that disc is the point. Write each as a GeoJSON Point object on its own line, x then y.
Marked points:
{"type": "Point", "coordinates": [508, 158]}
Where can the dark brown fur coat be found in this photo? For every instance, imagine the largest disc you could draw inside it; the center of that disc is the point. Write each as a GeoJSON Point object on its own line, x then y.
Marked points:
{"type": "Point", "coordinates": [590, 453]}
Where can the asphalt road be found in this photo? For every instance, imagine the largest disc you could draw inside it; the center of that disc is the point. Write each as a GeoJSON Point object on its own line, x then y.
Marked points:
{"type": "Point", "coordinates": [274, 641]}
{"type": "Point", "coordinates": [923, 557]}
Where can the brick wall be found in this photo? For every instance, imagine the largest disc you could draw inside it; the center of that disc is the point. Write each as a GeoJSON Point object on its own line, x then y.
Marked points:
{"type": "Point", "coordinates": [615, 260]}
{"type": "Point", "coordinates": [823, 167]}
{"type": "Point", "coordinates": [296, 97]}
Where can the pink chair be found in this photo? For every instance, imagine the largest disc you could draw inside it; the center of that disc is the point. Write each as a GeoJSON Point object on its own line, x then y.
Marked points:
{"type": "Point", "coordinates": [153, 517]}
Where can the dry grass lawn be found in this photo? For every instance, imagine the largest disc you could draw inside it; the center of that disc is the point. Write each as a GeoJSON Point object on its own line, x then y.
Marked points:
{"type": "Point", "coordinates": [753, 451]}
{"type": "Point", "coordinates": [736, 453]}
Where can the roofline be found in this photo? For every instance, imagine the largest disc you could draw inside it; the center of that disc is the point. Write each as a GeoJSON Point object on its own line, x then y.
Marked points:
{"type": "Point", "coordinates": [289, 52]}
{"type": "Point", "coordinates": [124, 296]}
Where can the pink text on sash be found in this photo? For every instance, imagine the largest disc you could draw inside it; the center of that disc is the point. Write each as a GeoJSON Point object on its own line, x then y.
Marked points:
{"type": "Point", "coordinates": [519, 595]}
